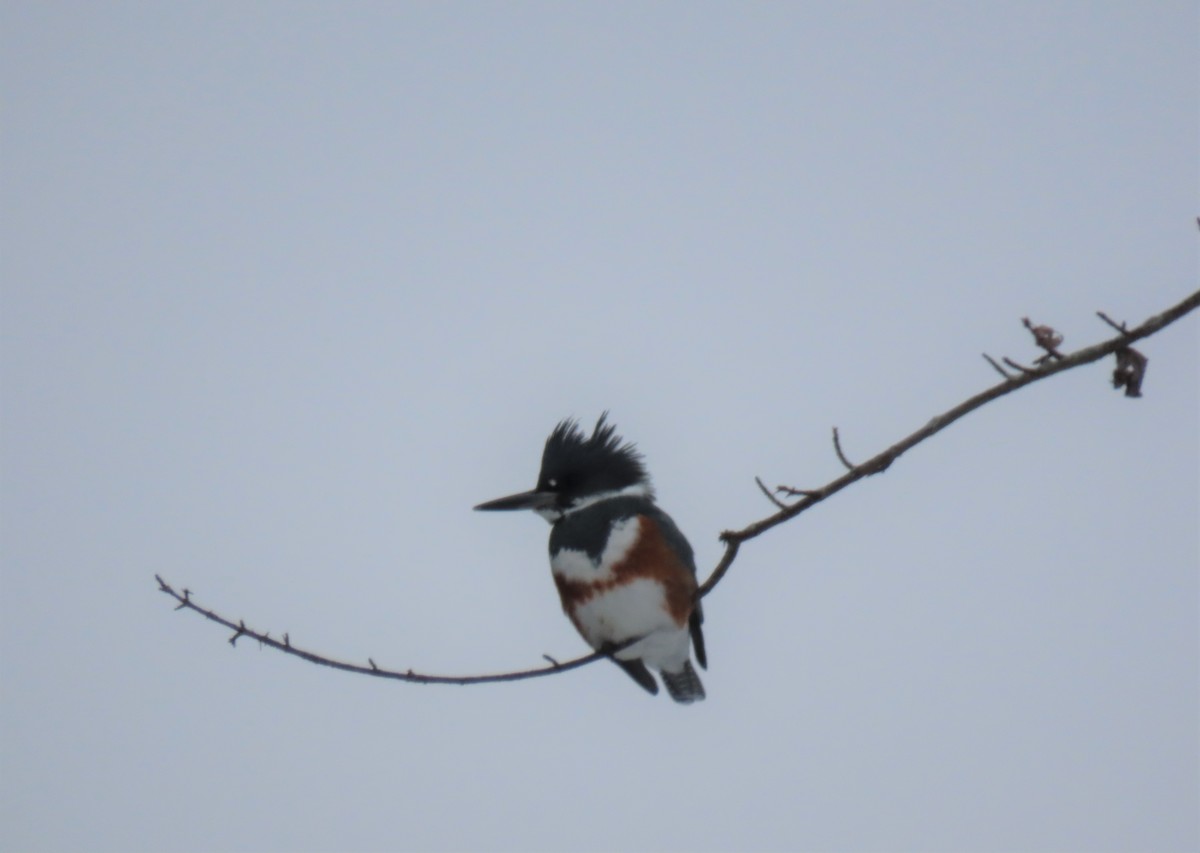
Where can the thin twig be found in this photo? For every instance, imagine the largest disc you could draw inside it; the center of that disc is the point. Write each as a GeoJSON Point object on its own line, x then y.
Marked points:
{"type": "Point", "coordinates": [1028, 371]}
{"type": "Point", "coordinates": [770, 496]}
{"type": "Point", "coordinates": [792, 492]}
{"type": "Point", "coordinates": [996, 365]}
{"type": "Point", "coordinates": [1120, 327]}
{"type": "Point", "coordinates": [837, 447]}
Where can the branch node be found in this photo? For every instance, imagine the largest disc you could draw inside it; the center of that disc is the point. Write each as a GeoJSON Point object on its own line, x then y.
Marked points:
{"type": "Point", "coordinates": [762, 487]}
{"type": "Point", "coordinates": [287, 643]}
{"type": "Point", "coordinates": [1020, 367]}
{"type": "Point", "coordinates": [799, 493]}
{"type": "Point", "coordinates": [551, 661]}
{"type": "Point", "coordinates": [241, 632]}
{"type": "Point", "coordinates": [374, 668]}
{"type": "Point", "coordinates": [881, 464]}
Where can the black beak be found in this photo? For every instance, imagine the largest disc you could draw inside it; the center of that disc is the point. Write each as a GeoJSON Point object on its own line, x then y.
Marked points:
{"type": "Point", "coordinates": [524, 500]}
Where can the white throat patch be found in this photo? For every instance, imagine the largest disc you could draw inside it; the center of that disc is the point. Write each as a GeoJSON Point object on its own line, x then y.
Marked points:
{"type": "Point", "coordinates": [637, 490]}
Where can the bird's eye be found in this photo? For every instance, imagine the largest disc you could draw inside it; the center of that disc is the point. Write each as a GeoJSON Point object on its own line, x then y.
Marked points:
{"type": "Point", "coordinates": [552, 483]}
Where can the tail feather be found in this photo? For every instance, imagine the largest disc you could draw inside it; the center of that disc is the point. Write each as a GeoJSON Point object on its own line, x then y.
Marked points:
{"type": "Point", "coordinates": [684, 686]}
{"type": "Point", "coordinates": [638, 672]}
{"type": "Point", "coordinates": [694, 623]}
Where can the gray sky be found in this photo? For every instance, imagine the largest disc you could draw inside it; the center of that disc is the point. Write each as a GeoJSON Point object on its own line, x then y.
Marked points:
{"type": "Point", "coordinates": [289, 287]}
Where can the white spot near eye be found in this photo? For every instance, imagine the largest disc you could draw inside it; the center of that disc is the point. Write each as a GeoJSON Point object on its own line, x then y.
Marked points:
{"type": "Point", "coordinates": [553, 483]}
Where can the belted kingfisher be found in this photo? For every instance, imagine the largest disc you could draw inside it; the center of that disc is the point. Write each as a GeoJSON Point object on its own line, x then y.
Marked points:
{"type": "Point", "coordinates": [623, 570]}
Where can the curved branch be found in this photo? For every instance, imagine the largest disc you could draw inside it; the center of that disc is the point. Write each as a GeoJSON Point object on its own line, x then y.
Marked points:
{"type": "Point", "coordinates": [285, 645]}
{"type": "Point", "coordinates": [880, 462]}
{"type": "Point", "coordinates": [733, 539]}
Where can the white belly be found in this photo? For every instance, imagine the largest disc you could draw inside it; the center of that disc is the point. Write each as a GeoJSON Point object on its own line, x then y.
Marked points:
{"type": "Point", "coordinates": [636, 609]}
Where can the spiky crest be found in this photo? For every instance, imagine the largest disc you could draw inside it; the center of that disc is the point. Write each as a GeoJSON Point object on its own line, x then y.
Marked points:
{"type": "Point", "coordinates": [577, 465]}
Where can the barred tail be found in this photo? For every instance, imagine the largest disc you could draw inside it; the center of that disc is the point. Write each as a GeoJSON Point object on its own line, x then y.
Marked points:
{"type": "Point", "coordinates": [684, 686]}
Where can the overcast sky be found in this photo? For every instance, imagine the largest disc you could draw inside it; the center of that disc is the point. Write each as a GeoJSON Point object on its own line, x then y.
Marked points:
{"type": "Point", "coordinates": [289, 287]}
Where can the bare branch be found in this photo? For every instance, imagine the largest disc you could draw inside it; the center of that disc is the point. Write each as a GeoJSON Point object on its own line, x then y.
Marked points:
{"type": "Point", "coordinates": [1131, 366]}
{"type": "Point", "coordinates": [371, 668]}
{"type": "Point", "coordinates": [733, 539]}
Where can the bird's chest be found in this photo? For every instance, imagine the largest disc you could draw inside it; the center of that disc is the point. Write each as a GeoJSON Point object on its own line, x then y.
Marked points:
{"type": "Point", "coordinates": [612, 595]}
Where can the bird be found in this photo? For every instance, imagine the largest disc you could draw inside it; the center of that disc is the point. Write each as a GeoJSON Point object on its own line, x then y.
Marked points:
{"type": "Point", "coordinates": [625, 573]}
